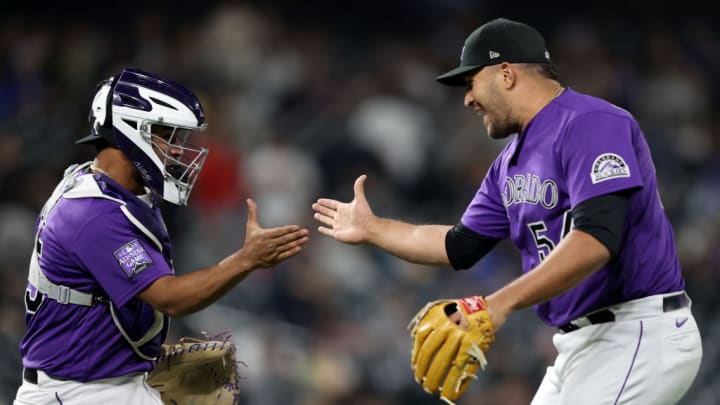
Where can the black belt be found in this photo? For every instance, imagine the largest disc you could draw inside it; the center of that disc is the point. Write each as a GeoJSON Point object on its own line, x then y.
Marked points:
{"type": "Point", "coordinates": [30, 375]}
{"type": "Point", "coordinates": [670, 303]}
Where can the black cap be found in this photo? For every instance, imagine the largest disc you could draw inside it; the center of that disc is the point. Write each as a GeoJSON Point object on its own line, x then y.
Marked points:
{"type": "Point", "coordinates": [497, 41]}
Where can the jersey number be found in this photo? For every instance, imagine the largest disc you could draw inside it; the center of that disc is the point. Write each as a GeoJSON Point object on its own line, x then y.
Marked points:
{"type": "Point", "coordinates": [544, 244]}
{"type": "Point", "coordinates": [33, 300]}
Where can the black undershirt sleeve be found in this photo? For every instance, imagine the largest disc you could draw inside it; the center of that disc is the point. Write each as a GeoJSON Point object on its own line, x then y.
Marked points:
{"type": "Point", "coordinates": [603, 218]}
{"type": "Point", "coordinates": [465, 247]}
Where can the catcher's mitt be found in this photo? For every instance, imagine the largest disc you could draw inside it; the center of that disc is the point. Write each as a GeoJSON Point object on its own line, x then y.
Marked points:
{"type": "Point", "coordinates": [197, 371]}
{"type": "Point", "coordinates": [447, 353]}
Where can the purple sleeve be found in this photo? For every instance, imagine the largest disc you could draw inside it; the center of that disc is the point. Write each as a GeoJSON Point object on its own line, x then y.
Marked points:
{"type": "Point", "coordinates": [486, 213]}
{"type": "Point", "coordinates": [120, 257]}
{"type": "Point", "coordinates": [598, 157]}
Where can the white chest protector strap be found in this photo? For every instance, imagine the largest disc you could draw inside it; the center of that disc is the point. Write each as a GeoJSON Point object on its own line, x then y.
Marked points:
{"type": "Point", "coordinates": [62, 294]}
{"type": "Point", "coordinates": [85, 186]}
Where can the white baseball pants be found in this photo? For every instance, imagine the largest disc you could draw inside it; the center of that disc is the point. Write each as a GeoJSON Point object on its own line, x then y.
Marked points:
{"type": "Point", "coordinates": [645, 357]}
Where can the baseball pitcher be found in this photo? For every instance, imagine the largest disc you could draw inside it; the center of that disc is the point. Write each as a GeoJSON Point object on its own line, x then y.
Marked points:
{"type": "Point", "coordinates": [576, 192]}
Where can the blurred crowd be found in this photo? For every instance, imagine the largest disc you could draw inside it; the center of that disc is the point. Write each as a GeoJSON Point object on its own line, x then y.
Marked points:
{"type": "Point", "coordinates": [300, 102]}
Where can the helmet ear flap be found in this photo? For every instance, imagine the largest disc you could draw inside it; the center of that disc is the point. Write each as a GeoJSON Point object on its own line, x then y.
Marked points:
{"type": "Point", "coordinates": [106, 128]}
{"type": "Point", "coordinates": [92, 117]}
{"type": "Point", "coordinates": [101, 116]}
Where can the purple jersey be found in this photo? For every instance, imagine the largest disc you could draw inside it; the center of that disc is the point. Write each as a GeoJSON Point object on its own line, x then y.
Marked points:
{"type": "Point", "coordinates": [89, 245]}
{"type": "Point", "coordinates": [576, 148]}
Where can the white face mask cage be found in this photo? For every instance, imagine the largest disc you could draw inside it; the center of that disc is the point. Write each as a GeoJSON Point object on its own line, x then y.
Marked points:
{"type": "Point", "coordinates": [181, 161]}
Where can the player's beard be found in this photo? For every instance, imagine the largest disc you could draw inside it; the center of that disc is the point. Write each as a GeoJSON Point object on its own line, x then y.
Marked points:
{"type": "Point", "coordinates": [498, 117]}
{"type": "Point", "coordinates": [499, 129]}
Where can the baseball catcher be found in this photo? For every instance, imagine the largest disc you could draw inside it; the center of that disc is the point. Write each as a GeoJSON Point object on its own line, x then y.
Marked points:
{"type": "Point", "coordinates": [102, 266]}
{"type": "Point", "coordinates": [198, 371]}
{"type": "Point", "coordinates": [450, 338]}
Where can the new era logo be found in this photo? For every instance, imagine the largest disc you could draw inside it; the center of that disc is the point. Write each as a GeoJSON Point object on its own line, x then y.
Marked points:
{"type": "Point", "coordinates": [494, 54]}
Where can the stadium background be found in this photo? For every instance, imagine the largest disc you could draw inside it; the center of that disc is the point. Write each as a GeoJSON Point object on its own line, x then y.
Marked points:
{"type": "Point", "coordinates": [303, 97]}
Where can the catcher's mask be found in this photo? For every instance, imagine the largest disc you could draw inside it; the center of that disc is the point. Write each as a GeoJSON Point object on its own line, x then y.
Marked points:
{"type": "Point", "coordinates": [150, 118]}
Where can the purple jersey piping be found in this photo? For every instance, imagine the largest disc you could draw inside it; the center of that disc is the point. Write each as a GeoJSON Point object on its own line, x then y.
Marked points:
{"type": "Point", "coordinates": [637, 349]}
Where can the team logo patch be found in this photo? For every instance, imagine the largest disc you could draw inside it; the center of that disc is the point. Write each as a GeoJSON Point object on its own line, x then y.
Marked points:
{"type": "Point", "coordinates": [133, 258]}
{"type": "Point", "coordinates": [609, 166]}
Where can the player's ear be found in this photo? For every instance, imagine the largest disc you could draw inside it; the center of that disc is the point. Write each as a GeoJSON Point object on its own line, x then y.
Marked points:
{"type": "Point", "coordinates": [508, 74]}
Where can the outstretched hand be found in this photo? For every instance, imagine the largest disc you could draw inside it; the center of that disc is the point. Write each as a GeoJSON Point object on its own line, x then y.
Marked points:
{"type": "Point", "coordinates": [346, 222]}
{"type": "Point", "coordinates": [268, 247]}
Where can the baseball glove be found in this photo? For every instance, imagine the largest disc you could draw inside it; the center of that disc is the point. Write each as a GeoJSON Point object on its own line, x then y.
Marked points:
{"type": "Point", "coordinates": [447, 353]}
{"type": "Point", "coordinates": [198, 371]}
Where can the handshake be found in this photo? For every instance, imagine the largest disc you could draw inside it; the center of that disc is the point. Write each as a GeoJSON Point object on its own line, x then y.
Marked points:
{"type": "Point", "coordinates": [449, 337]}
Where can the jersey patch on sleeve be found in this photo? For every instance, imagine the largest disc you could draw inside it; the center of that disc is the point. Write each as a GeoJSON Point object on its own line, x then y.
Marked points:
{"type": "Point", "coordinates": [609, 166]}
{"type": "Point", "coordinates": [133, 258]}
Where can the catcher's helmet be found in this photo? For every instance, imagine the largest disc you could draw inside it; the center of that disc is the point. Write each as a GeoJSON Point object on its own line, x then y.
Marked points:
{"type": "Point", "coordinates": [150, 118]}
